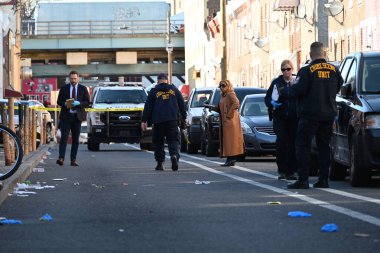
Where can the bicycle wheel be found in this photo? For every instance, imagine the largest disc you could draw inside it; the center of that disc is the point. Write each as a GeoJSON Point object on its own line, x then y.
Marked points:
{"type": "Point", "coordinates": [10, 152]}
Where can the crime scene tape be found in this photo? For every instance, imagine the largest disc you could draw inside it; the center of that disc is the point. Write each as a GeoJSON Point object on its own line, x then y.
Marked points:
{"type": "Point", "coordinates": [38, 108]}
{"type": "Point", "coordinates": [93, 109]}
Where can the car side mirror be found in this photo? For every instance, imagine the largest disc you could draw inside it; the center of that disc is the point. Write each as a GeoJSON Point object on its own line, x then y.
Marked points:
{"type": "Point", "coordinates": [346, 90]}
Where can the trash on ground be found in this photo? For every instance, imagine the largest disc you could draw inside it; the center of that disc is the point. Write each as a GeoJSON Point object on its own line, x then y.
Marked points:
{"type": "Point", "coordinates": [39, 169]}
{"type": "Point", "coordinates": [42, 162]}
{"type": "Point", "coordinates": [11, 222]}
{"type": "Point", "coordinates": [331, 227]}
{"type": "Point", "coordinates": [27, 182]}
{"type": "Point", "coordinates": [299, 214]}
{"type": "Point", "coordinates": [46, 217]}
{"type": "Point", "coordinates": [121, 230]}
{"type": "Point", "coordinates": [274, 203]}
{"type": "Point", "coordinates": [59, 179]}
{"type": "Point", "coordinates": [361, 235]}
{"type": "Point", "coordinates": [201, 182]}
{"type": "Point", "coordinates": [76, 183]}
{"type": "Point", "coordinates": [48, 153]}
{"type": "Point", "coordinates": [98, 186]}
{"type": "Point", "coordinates": [125, 183]}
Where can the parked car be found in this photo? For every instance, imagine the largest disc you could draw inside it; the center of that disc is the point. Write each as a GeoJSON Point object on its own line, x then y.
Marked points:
{"type": "Point", "coordinates": [191, 136]}
{"type": "Point", "coordinates": [83, 133]}
{"type": "Point", "coordinates": [356, 131]}
{"type": "Point", "coordinates": [49, 127]}
{"type": "Point", "coordinates": [258, 133]}
{"type": "Point", "coordinates": [210, 119]}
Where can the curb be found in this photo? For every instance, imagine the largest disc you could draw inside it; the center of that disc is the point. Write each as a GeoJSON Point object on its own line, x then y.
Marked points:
{"type": "Point", "coordinates": [26, 168]}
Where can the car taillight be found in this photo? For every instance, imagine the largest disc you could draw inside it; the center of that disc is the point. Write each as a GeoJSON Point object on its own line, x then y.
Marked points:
{"type": "Point", "coordinates": [372, 122]}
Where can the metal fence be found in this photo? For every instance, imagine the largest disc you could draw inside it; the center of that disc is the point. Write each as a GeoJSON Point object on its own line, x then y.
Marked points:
{"type": "Point", "coordinates": [94, 28]}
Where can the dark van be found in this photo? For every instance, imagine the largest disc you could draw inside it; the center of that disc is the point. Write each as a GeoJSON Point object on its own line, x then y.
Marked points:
{"type": "Point", "coordinates": [356, 132]}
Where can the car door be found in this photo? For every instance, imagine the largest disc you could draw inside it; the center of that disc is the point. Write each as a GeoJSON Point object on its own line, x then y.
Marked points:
{"type": "Point", "coordinates": [340, 142]}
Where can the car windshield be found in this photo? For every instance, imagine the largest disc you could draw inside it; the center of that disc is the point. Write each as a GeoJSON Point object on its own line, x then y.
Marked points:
{"type": "Point", "coordinates": [371, 76]}
{"type": "Point", "coordinates": [121, 96]}
{"type": "Point", "coordinates": [254, 107]}
{"type": "Point", "coordinates": [200, 97]}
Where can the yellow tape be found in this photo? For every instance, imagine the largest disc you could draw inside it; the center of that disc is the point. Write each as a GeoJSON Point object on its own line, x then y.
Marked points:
{"type": "Point", "coordinates": [37, 108]}
{"type": "Point", "coordinates": [95, 109]}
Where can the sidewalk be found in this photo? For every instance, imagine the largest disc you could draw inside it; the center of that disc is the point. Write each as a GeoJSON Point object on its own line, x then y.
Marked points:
{"type": "Point", "coordinates": [28, 163]}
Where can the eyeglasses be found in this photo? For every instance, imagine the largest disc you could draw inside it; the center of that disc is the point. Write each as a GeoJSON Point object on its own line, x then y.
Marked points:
{"type": "Point", "coordinates": [222, 85]}
{"type": "Point", "coordinates": [286, 69]}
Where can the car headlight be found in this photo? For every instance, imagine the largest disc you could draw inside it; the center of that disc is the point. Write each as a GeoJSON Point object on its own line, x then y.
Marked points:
{"type": "Point", "coordinates": [215, 119]}
{"type": "Point", "coordinates": [372, 122]}
{"type": "Point", "coordinates": [246, 129]}
{"type": "Point", "coordinates": [97, 120]}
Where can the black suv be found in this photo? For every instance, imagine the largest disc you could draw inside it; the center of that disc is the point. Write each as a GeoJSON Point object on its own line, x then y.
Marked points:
{"type": "Point", "coordinates": [191, 136]}
{"type": "Point", "coordinates": [356, 132]}
{"type": "Point", "coordinates": [210, 119]}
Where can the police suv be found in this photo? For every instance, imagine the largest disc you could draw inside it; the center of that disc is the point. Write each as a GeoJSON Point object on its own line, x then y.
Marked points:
{"type": "Point", "coordinates": [115, 117]}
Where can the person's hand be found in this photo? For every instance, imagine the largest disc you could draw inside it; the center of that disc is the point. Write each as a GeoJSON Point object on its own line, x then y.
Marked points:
{"type": "Point", "coordinates": [275, 104]}
{"type": "Point", "coordinates": [144, 125]}
{"type": "Point", "coordinates": [76, 103]}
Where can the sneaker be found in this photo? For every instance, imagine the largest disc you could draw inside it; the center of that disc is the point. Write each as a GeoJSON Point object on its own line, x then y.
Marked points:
{"type": "Point", "coordinates": [299, 185]}
{"type": "Point", "coordinates": [174, 162]}
{"type": "Point", "coordinates": [159, 166]}
{"type": "Point", "coordinates": [321, 183]}
{"type": "Point", "coordinates": [281, 176]}
{"type": "Point", "coordinates": [291, 177]}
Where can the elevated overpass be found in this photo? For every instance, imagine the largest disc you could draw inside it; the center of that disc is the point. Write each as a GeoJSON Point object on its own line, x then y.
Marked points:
{"type": "Point", "coordinates": [134, 50]}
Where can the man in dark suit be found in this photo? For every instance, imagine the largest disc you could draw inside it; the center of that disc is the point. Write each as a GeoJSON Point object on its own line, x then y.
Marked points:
{"type": "Point", "coordinates": [73, 98]}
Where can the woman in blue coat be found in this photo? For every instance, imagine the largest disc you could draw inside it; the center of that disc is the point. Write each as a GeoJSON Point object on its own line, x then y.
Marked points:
{"type": "Point", "coordinates": [281, 103]}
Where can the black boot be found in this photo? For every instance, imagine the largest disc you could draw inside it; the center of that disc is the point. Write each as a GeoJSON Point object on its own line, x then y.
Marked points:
{"type": "Point", "coordinates": [229, 162]}
{"type": "Point", "coordinates": [159, 166]}
{"type": "Point", "coordinates": [174, 160]}
{"type": "Point", "coordinates": [321, 183]}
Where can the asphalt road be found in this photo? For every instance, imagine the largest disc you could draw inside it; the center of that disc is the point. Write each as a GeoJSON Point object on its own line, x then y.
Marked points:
{"type": "Point", "coordinates": [116, 202]}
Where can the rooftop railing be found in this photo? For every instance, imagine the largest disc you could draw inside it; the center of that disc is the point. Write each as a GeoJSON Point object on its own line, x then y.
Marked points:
{"type": "Point", "coordinates": [95, 28]}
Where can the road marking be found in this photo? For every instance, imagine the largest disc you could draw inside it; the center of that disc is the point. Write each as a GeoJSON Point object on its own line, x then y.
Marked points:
{"type": "Point", "coordinates": [356, 215]}
{"type": "Point", "coordinates": [348, 212]}
{"type": "Point", "coordinates": [334, 191]}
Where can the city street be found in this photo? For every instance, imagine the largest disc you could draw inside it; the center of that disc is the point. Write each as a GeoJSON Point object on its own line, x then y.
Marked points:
{"type": "Point", "coordinates": [116, 202]}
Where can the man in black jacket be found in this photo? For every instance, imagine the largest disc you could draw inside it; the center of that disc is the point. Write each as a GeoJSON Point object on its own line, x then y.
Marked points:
{"type": "Point", "coordinates": [162, 108]}
{"type": "Point", "coordinates": [316, 87]}
{"type": "Point", "coordinates": [73, 98]}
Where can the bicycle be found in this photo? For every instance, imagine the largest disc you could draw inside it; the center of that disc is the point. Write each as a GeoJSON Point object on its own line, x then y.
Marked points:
{"type": "Point", "coordinates": [10, 152]}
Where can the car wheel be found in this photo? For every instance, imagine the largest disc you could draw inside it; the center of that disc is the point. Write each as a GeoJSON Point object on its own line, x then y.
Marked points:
{"type": "Point", "coordinates": [191, 148]}
{"type": "Point", "coordinates": [203, 144]}
{"type": "Point", "coordinates": [183, 142]}
{"type": "Point", "coordinates": [211, 150]}
{"type": "Point", "coordinates": [359, 175]}
{"type": "Point", "coordinates": [92, 146]}
{"type": "Point", "coordinates": [49, 133]}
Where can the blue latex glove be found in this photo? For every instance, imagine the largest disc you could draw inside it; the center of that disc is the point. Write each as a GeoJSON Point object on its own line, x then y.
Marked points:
{"type": "Point", "coordinates": [275, 104]}
{"type": "Point", "coordinates": [75, 103]}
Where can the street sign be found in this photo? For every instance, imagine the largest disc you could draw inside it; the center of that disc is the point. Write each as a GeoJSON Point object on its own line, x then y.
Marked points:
{"type": "Point", "coordinates": [169, 47]}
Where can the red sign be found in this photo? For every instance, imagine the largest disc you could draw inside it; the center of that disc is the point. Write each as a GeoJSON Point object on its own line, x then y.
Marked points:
{"type": "Point", "coordinates": [39, 88]}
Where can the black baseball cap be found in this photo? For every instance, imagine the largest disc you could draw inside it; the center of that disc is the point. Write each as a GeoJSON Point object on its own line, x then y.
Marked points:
{"type": "Point", "coordinates": [162, 76]}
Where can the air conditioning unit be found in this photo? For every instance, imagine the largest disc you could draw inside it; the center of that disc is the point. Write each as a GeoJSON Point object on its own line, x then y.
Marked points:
{"type": "Point", "coordinates": [196, 74]}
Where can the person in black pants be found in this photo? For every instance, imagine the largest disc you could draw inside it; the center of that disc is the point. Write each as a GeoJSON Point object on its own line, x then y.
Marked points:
{"type": "Point", "coordinates": [71, 116]}
{"type": "Point", "coordinates": [162, 108]}
{"type": "Point", "coordinates": [281, 103]}
{"type": "Point", "coordinates": [316, 87]}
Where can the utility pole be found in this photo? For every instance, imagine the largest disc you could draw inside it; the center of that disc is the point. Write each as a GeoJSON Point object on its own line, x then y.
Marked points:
{"type": "Point", "coordinates": [223, 64]}
{"type": "Point", "coordinates": [169, 47]}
